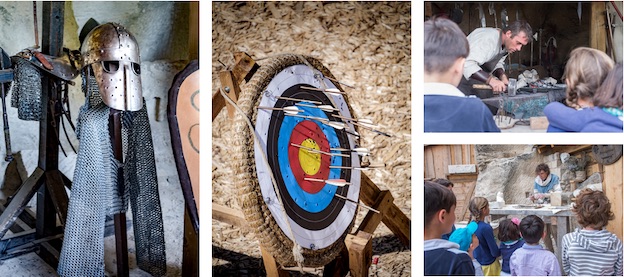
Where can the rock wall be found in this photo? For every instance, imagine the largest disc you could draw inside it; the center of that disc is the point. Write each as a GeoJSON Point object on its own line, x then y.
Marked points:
{"type": "Point", "coordinates": [506, 168]}
{"type": "Point", "coordinates": [511, 169]}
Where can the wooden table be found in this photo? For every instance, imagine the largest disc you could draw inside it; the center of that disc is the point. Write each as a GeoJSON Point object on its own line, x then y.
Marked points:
{"type": "Point", "coordinates": [563, 215]}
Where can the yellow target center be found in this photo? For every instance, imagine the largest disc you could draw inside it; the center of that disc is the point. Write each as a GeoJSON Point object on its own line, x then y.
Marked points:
{"type": "Point", "coordinates": [310, 161]}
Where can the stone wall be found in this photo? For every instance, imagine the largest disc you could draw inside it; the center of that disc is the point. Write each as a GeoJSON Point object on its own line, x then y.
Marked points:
{"type": "Point", "coordinates": [511, 170]}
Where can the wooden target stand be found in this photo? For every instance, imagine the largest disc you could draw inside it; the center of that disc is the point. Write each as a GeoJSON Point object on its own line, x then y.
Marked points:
{"type": "Point", "coordinates": [356, 257]}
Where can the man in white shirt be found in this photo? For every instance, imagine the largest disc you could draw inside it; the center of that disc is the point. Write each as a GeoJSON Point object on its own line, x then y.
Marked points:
{"type": "Point", "coordinates": [488, 49]}
{"type": "Point", "coordinates": [446, 108]}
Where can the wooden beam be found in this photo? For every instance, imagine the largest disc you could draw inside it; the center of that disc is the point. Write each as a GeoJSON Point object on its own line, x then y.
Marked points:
{"type": "Point", "coordinates": [270, 265]}
{"type": "Point", "coordinates": [228, 215]}
{"type": "Point", "coordinates": [360, 247]}
{"type": "Point", "coordinates": [194, 30]}
{"type": "Point", "coordinates": [612, 186]}
{"type": "Point", "coordinates": [597, 26]}
{"type": "Point", "coordinates": [389, 214]}
{"type": "Point", "coordinates": [218, 103]}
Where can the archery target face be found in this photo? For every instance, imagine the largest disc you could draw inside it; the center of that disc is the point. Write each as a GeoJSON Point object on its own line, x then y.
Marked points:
{"type": "Point", "coordinates": [317, 217]}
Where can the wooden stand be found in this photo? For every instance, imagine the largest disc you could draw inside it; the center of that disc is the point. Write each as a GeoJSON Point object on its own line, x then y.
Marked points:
{"type": "Point", "coordinates": [47, 181]}
{"type": "Point", "coordinates": [121, 236]}
{"type": "Point", "coordinates": [359, 244]}
{"type": "Point", "coordinates": [51, 198]}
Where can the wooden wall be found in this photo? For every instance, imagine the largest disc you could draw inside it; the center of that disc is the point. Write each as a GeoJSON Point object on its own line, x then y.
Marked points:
{"type": "Point", "coordinates": [439, 157]}
{"type": "Point", "coordinates": [612, 186]}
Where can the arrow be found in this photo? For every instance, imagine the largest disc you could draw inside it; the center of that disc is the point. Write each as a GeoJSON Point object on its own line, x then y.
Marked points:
{"type": "Point", "coordinates": [333, 91]}
{"type": "Point", "coordinates": [357, 203]}
{"type": "Point", "coordinates": [319, 151]}
{"type": "Point", "coordinates": [334, 124]}
{"type": "Point", "coordinates": [298, 100]}
{"type": "Point", "coordinates": [360, 150]}
{"type": "Point", "coordinates": [333, 182]}
{"type": "Point", "coordinates": [348, 167]}
{"type": "Point", "coordinates": [288, 110]}
{"type": "Point", "coordinates": [327, 108]}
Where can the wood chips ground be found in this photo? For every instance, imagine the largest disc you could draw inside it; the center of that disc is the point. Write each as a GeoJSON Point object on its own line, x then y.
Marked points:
{"type": "Point", "coordinates": [366, 45]}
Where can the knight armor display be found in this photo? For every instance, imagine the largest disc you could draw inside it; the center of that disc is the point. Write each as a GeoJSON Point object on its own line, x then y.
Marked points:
{"type": "Point", "coordinates": [113, 54]}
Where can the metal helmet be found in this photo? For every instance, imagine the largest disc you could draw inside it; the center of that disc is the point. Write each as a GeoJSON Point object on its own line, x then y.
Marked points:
{"type": "Point", "coordinates": [113, 54]}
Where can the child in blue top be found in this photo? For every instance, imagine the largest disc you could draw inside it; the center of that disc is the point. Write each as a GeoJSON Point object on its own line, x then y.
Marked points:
{"type": "Point", "coordinates": [510, 240]}
{"type": "Point", "coordinates": [487, 253]}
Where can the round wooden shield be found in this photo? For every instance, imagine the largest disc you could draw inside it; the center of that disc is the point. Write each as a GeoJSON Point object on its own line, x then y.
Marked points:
{"type": "Point", "coordinates": [607, 154]}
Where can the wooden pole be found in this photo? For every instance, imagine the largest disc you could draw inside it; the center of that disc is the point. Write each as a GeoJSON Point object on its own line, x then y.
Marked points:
{"type": "Point", "coordinates": [121, 236]}
{"type": "Point", "coordinates": [597, 27]}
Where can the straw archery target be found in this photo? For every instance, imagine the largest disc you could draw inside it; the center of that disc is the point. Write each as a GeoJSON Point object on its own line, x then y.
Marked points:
{"type": "Point", "coordinates": [316, 217]}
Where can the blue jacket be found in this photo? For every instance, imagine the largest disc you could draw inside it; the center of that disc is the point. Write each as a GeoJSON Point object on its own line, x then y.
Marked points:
{"type": "Point", "coordinates": [457, 114]}
{"type": "Point", "coordinates": [443, 257]}
{"type": "Point", "coordinates": [506, 250]}
{"type": "Point", "coordinates": [565, 119]}
{"type": "Point", "coordinates": [487, 251]}
{"type": "Point", "coordinates": [554, 180]}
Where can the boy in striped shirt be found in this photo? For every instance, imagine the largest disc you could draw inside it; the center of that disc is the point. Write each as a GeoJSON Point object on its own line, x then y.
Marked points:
{"type": "Point", "coordinates": [592, 250]}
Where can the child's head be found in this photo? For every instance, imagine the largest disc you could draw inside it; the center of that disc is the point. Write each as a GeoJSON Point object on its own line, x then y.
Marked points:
{"type": "Point", "coordinates": [439, 206]}
{"type": "Point", "coordinates": [446, 48]}
{"type": "Point", "coordinates": [609, 94]}
{"type": "Point", "coordinates": [479, 208]}
{"type": "Point", "coordinates": [532, 229]}
{"type": "Point", "coordinates": [465, 237]}
{"type": "Point", "coordinates": [445, 182]}
{"type": "Point", "coordinates": [508, 230]}
{"type": "Point", "coordinates": [593, 209]}
{"type": "Point", "coordinates": [584, 72]}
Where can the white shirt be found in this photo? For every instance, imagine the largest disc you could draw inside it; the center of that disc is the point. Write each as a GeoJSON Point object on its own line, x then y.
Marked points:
{"type": "Point", "coordinates": [444, 89]}
{"type": "Point", "coordinates": [485, 46]}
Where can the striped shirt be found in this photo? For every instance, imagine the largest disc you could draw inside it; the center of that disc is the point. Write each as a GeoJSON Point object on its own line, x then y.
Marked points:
{"type": "Point", "coordinates": [586, 252]}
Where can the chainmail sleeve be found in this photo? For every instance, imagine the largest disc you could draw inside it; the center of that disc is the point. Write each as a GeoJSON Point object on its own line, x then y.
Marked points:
{"type": "Point", "coordinates": [94, 191]}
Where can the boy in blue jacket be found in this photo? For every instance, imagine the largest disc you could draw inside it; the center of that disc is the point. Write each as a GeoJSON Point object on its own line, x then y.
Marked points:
{"type": "Point", "coordinates": [442, 257]}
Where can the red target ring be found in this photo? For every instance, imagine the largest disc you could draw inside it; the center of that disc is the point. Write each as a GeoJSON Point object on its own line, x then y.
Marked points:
{"type": "Point", "coordinates": [308, 164]}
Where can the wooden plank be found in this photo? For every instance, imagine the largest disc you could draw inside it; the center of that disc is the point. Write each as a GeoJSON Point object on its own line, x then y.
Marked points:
{"type": "Point", "coordinates": [473, 156]}
{"type": "Point", "coordinates": [194, 30]}
{"type": "Point", "coordinates": [389, 214]}
{"type": "Point", "coordinates": [368, 191]}
{"type": "Point", "coordinates": [218, 103]}
{"type": "Point", "coordinates": [538, 123]}
{"type": "Point", "coordinates": [440, 160]}
{"type": "Point", "coordinates": [229, 215]}
{"type": "Point", "coordinates": [597, 29]}
{"type": "Point", "coordinates": [399, 224]}
{"type": "Point", "coordinates": [190, 247]}
{"type": "Point", "coordinates": [371, 220]}
{"type": "Point", "coordinates": [56, 188]}
{"type": "Point", "coordinates": [612, 185]}
{"type": "Point", "coordinates": [244, 68]}
{"type": "Point", "coordinates": [231, 89]}
{"type": "Point", "coordinates": [429, 169]}
{"type": "Point", "coordinates": [24, 194]}
{"type": "Point", "coordinates": [360, 247]}
{"type": "Point", "coordinates": [270, 265]}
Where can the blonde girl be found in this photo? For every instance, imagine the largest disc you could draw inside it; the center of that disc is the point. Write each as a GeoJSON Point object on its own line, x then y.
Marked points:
{"type": "Point", "coordinates": [487, 253]}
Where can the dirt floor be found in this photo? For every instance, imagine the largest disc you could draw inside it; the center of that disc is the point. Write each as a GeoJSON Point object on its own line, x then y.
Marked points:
{"type": "Point", "coordinates": [366, 45]}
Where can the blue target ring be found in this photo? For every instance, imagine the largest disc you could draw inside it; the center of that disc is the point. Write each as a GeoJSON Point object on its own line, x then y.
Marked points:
{"type": "Point", "coordinates": [317, 202]}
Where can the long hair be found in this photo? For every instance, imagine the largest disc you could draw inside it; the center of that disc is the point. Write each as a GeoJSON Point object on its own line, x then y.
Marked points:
{"type": "Point", "coordinates": [476, 207]}
{"type": "Point", "coordinates": [609, 94]}
{"type": "Point", "coordinates": [585, 71]}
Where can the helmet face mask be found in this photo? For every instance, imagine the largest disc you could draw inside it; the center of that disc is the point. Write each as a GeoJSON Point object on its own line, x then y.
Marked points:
{"type": "Point", "coordinates": [113, 54]}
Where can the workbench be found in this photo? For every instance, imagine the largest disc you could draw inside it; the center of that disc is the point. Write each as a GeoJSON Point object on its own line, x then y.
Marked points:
{"type": "Point", "coordinates": [524, 104]}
